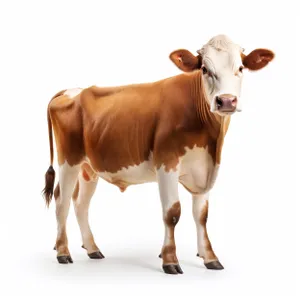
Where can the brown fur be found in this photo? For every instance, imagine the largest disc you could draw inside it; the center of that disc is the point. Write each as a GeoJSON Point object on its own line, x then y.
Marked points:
{"type": "Point", "coordinates": [176, 115]}
{"type": "Point", "coordinates": [87, 172]}
{"type": "Point", "coordinates": [204, 214]}
{"type": "Point", "coordinates": [209, 253]}
{"type": "Point", "coordinates": [173, 215]}
{"type": "Point", "coordinates": [49, 184]}
{"type": "Point", "coordinates": [168, 252]}
{"type": "Point", "coordinates": [66, 116]}
{"type": "Point", "coordinates": [185, 60]}
{"type": "Point", "coordinates": [76, 191]}
{"type": "Point", "coordinates": [50, 174]}
{"type": "Point", "coordinates": [85, 175]}
{"type": "Point", "coordinates": [118, 127]}
{"type": "Point", "coordinates": [257, 59]}
{"type": "Point", "coordinates": [62, 244]}
{"type": "Point", "coordinates": [57, 191]}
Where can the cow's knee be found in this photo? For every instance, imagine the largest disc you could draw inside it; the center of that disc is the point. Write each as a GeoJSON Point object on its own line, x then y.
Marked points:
{"type": "Point", "coordinates": [173, 215]}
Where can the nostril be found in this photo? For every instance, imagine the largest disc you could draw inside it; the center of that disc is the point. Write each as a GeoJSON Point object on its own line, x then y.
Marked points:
{"type": "Point", "coordinates": [219, 102]}
{"type": "Point", "coordinates": [234, 102]}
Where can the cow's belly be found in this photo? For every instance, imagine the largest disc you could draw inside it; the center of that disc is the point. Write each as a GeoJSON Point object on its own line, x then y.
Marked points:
{"type": "Point", "coordinates": [142, 173]}
{"type": "Point", "coordinates": [198, 171]}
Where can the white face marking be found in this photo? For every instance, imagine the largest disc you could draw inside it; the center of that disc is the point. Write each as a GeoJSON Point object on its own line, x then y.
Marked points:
{"type": "Point", "coordinates": [72, 92]}
{"type": "Point", "coordinates": [222, 59]}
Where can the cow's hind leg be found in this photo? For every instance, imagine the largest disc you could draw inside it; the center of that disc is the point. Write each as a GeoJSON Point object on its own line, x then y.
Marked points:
{"type": "Point", "coordinates": [82, 195]}
{"type": "Point", "coordinates": [205, 250]}
{"type": "Point", "coordinates": [63, 194]}
{"type": "Point", "coordinates": [168, 188]}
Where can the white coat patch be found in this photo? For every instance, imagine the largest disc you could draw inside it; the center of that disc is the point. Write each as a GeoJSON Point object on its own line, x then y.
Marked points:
{"type": "Point", "coordinates": [197, 170]}
{"type": "Point", "coordinates": [137, 174]}
{"type": "Point", "coordinates": [72, 92]}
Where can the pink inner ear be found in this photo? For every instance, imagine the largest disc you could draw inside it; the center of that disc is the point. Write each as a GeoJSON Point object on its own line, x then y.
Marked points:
{"type": "Point", "coordinates": [180, 58]}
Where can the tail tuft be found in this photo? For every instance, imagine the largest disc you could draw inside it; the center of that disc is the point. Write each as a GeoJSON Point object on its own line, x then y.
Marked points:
{"type": "Point", "coordinates": [49, 185]}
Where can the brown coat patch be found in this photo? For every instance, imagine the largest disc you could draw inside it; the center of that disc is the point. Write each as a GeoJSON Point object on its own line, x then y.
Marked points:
{"type": "Point", "coordinates": [209, 253]}
{"type": "Point", "coordinates": [173, 215]}
{"type": "Point", "coordinates": [62, 244]}
{"type": "Point", "coordinates": [171, 219]}
{"type": "Point", "coordinates": [204, 214]}
{"type": "Point", "coordinates": [57, 191]}
{"type": "Point", "coordinates": [66, 116]}
{"type": "Point", "coordinates": [257, 59]}
{"type": "Point", "coordinates": [169, 254]}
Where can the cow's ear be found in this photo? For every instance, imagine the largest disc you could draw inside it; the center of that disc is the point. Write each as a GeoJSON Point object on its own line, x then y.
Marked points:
{"type": "Point", "coordinates": [185, 60]}
{"type": "Point", "coordinates": [257, 59]}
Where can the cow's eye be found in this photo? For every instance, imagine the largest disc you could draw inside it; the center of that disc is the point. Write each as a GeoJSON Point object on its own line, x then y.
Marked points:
{"type": "Point", "coordinates": [204, 70]}
{"type": "Point", "coordinates": [241, 68]}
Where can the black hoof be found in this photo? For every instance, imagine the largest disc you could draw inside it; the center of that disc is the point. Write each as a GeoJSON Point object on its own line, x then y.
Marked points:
{"type": "Point", "coordinates": [64, 259]}
{"type": "Point", "coordinates": [96, 255]}
{"type": "Point", "coordinates": [214, 265]}
{"type": "Point", "coordinates": [198, 255]}
{"type": "Point", "coordinates": [172, 269]}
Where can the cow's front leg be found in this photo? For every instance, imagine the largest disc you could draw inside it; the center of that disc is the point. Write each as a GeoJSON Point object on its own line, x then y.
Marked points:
{"type": "Point", "coordinates": [168, 189]}
{"type": "Point", "coordinates": [205, 250]}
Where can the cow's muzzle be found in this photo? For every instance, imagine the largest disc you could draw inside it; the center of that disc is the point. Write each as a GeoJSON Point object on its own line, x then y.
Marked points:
{"type": "Point", "coordinates": [226, 103]}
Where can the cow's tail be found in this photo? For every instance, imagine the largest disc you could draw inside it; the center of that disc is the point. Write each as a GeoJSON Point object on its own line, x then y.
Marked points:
{"type": "Point", "coordinates": [50, 174]}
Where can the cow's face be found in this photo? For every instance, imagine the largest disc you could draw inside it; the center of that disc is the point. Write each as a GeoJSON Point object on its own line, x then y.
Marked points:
{"type": "Point", "coordinates": [222, 63]}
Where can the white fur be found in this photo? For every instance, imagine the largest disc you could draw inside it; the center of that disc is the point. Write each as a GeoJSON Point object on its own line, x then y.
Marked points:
{"type": "Point", "coordinates": [197, 170]}
{"type": "Point", "coordinates": [81, 206]}
{"type": "Point", "coordinates": [72, 92]}
{"type": "Point", "coordinates": [168, 191]}
{"type": "Point", "coordinates": [223, 58]}
{"type": "Point", "coordinates": [199, 201]}
{"type": "Point", "coordinates": [142, 173]}
{"type": "Point", "coordinates": [168, 187]}
{"type": "Point", "coordinates": [67, 180]}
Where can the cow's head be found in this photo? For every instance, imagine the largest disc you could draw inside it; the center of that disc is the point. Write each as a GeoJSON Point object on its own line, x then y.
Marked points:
{"type": "Point", "coordinates": [222, 63]}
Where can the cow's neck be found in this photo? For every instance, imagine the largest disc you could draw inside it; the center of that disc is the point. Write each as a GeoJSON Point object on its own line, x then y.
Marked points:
{"type": "Point", "coordinates": [215, 125]}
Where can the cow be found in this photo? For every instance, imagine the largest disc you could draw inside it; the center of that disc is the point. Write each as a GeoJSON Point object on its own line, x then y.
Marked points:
{"type": "Point", "coordinates": [169, 131]}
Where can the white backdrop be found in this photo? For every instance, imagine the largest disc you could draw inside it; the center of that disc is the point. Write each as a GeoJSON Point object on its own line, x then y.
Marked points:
{"type": "Point", "coordinates": [47, 46]}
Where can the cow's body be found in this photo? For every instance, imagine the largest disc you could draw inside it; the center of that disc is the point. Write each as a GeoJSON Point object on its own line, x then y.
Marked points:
{"type": "Point", "coordinates": [163, 131]}
{"type": "Point", "coordinates": [121, 129]}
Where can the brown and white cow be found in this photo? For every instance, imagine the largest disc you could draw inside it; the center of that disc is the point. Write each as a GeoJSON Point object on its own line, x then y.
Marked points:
{"type": "Point", "coordinates": [170, 131]}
